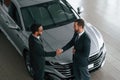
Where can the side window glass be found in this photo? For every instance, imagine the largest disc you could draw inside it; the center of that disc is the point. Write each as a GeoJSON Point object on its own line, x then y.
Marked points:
{"type": "Point", "coordinates": [1, 2]}
{"type": "Point", "coordinates": [13, 12]}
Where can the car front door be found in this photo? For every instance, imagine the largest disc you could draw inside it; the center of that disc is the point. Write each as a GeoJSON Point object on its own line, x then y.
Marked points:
{"type": "Point", "coordinates": [12, 27]}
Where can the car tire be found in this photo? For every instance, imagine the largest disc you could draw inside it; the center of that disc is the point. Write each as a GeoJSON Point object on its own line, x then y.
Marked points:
{"type": "Point", "coordinates": [28, 64]}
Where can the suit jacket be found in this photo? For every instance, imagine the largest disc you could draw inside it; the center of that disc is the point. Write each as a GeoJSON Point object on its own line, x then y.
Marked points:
{"type": "Point", "coordinates": [82, 47]}
{"type": "Point", "coordinates": [37, 53]}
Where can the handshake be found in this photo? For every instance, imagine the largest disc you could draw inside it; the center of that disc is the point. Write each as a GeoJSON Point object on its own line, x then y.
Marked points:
{"type": "Point", "coordinates": [59, 51]}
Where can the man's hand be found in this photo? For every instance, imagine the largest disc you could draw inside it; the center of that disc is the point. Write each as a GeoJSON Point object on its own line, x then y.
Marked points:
{"type": "Point", "coordinates": [73, 50]}
{"type": "Point", "coordinates": [59, 51]}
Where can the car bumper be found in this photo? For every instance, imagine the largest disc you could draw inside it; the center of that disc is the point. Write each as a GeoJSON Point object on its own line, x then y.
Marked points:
{"type": "Point", "coordinates": [64, 72]}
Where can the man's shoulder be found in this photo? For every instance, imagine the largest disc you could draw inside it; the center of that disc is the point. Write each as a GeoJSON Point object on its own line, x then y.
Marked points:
{"type": "Point", "coordinates": [86, 36]}
{"type": "Point", "coordinates": [31, 38]}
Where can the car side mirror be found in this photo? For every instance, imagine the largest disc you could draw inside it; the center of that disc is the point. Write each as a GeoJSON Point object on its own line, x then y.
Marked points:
{"type": "Point", "coordinates": [80, 10]}
{"type": "Point", "coordinates": [14, 28]}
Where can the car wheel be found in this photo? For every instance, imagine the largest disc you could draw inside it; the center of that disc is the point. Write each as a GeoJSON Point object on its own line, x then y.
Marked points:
{"type": "Point", "coordinates": [28, 64]}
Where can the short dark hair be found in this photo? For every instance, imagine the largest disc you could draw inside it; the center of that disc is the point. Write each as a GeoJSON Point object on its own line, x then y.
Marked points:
{"type": "Point", "coordinates": [80, 22]}
{"type": "Point", "coordinates": [35, 27]}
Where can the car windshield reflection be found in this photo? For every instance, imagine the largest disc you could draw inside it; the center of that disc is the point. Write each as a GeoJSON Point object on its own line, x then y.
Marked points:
{"type": "Point", "coordinates": [48, 14]}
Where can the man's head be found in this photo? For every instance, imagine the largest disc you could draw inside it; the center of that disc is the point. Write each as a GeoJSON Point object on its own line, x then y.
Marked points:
{"type": "Point", "coordinates": [37, 29]}
{"type": "Point", "coordinates": [79, 25]}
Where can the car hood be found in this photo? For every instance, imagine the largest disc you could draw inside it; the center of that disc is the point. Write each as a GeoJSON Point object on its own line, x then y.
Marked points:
{"type": "Point", "coordinates": [58, 37]}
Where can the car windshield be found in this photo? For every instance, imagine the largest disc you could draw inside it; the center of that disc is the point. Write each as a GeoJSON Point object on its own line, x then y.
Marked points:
{"type": "Point", "coordinates": [50, 15]}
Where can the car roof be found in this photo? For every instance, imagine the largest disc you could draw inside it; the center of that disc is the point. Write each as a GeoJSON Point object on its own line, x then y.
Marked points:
{"type": "Point", "coordinates": [24, 3]}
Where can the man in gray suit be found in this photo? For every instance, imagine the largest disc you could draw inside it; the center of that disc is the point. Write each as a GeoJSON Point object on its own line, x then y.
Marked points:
{"type": "Point", "coordinates": [37, 53]}
{"type": "Point", "coordinates": [81, 43]}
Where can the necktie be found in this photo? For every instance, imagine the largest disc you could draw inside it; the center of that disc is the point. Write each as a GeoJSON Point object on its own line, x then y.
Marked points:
{"type": "Point", "coordinates": [41, 40]}
{"type": "Point", "coordinates": [77, 37]}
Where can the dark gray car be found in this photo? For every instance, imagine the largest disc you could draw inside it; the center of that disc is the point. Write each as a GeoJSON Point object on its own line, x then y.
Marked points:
{"type": "Point", "coordinates": [57, 17]}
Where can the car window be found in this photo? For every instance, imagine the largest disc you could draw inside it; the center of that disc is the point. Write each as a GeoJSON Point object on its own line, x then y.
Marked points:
{"type": "Point", "coordinates": [57, 13]}
{"type": "Point", "coordinates": [36, 15]}
{"type": "Point", "coordinates": [50, 15]}
{"type": "Point", "coordinates": [44, 15]}
{"type": "Point", "coordinates": [13, 12]}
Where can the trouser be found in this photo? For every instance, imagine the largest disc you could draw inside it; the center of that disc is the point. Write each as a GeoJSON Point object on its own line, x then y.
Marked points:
{"type": "Point", "coordinates": [38, 69]}
{"type": "Point", "coordinates": [81, 73]}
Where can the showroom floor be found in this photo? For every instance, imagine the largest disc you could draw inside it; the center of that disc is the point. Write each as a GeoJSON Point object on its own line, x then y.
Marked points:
{"type": "Point", "coordinates": [104, 14]}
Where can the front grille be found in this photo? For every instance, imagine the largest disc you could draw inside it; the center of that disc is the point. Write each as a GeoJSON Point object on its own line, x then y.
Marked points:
{"type": "Point", "coordinates": [99, 60]}
{"type": "Point", "coordinates": [65, 69]}
{"type": "Point", "coordinates": [94, 57]}
{"type": "Point", "coordinates": [96, 60]}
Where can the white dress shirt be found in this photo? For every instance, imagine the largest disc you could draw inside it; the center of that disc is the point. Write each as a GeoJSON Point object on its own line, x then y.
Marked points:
{"type": "Point", "coordinates": [80, 34]}
{"type": "Point", "coordinates": [38, 37]}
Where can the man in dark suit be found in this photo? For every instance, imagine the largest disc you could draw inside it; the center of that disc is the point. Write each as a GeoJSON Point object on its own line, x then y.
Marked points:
{"type": "Point", "coordinates": [81, 43]}
{"type": "Point", "coordinates": [37, 53]}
